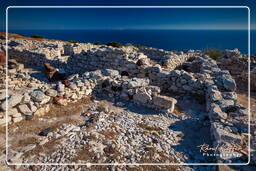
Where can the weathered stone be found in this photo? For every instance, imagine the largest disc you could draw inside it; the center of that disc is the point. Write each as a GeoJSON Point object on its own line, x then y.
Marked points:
{"type": "Point", "coordinates": [39, 96]}
{"type": "Point", "coordinates": [61, 87]}
{"type": "Point", "coordinates": [187, 88]}
{"type": "Point", "coordinates": [175, 73]}
{"type": "Point", "coordinates": [142, 96]}
{"type": "Point", "coordinates": [187, 76]}
{"type": "Point", "coordinates": [43, 110]}
{"type": "Point", "coordinates": [24, 109]}
{"type": "Point", "coordinates": [12, 101]}
{"type": "Point", "coordinates": [26, 98]}
{"type": "Point", "coordinates": [51, 92]}
{"type": "Point", "coordinates": [45, 131]}
{"type": "Point", "coordinates": [216, 113]}
{"type": "Point", "coordinates": [52, 74]}
{"type": "Point", "coordinates": [60, 101]}
{"type": "Point", "coordinates": [14, 113]}
{"type": "Point", "coordinates": [110, 72]}
{"type": "Point", "coordinates": [138, 82]}
{"type": "Point", "coordinates": [164, 102]}
{"type": "Point", "coordinates": [229, 83]}
{"type": "Point", "coordinates": [17, 119]}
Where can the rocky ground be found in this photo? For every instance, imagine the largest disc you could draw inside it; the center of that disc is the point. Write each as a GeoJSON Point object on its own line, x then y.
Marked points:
{"type": "Point", "coordinates": [119, 105]}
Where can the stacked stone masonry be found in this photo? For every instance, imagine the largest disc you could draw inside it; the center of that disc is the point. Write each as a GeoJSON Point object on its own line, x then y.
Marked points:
{"type": "Point", "coordinates": [143, 76]}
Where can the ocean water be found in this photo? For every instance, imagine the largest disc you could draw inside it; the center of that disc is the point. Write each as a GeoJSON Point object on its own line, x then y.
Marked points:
{"type": "Point", "coordinates": [164, 39]}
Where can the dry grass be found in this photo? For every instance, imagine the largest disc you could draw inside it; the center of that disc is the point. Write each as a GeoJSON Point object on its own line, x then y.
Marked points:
{"type": "Point", "coordinates": [18, 36]}
{"type": "Point", "coordinates": [242, 99]}
{"type": "Point", "coordinates": [47, 148]}
{"type": "Point", "coordinates": [109, 134]}
{"type": "Point", "coordinates": [148, 127]}
{"type": "Point", "coordinates": [178, 112]}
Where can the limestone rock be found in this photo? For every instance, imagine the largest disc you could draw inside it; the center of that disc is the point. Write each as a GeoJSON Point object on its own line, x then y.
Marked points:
{"type": "Point", "coordinates": [216, 113]}
{"type": "Point", "coordinates": [14, 113]}
{"type": "Point", "coordinates": [51, 92]}
{"type": "Point", "coordinates": [39, 96]}
{"type": "Point", "coordinates": [229, 83]}
{"type": "Point", "coordinates": [24, 109]}
{"type": "Point", "coordinates": [12, 101]}
{"type": "Point", "coordinates": [110, 72]}
{"type": "Point", "coordinates": [142, 96]}
{"type": "Point", "coordinates": [164, 102]}
{"type": "Point", "coordinates": [138, 82]}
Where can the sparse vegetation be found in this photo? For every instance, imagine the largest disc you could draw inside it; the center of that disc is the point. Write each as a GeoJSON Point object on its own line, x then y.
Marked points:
{"type": "Point", "coordinates": [140, 46]}
{"type": "Point", "coordinates": [174, 51]}
{"type": "Point", "coordinates": [97, 43]}
{"type": "Point", "coordinates": [214, 53]}
{"type": "Point", "coordinates": [37, 36]}
{"type": "Point", "coordinates": [115, 44]}
{"type": "Point", "coordinates": [72, 41]}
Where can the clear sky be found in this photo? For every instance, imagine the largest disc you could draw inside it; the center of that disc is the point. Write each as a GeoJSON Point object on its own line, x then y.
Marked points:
{"type": "Point", "coordinates": [125, 18]}
{"type": "Point", "coordinates": [128, 18]}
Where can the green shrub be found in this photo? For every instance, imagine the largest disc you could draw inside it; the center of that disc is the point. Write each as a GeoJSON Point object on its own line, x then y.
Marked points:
{"type": "Point", "coordinates": [115, 44]}
{"type": "Point", "coordinates": [97, 43]}
{"type": "Point", "coordinates": [214, 53]}
{"type": "Point", "coordinates": [37, 36]}
{"type": "Point", "coordinates": [174, 51]}
{"type": "Point", "coordinates": [72, 41]}
{"type": "Point", "coordinates": [140, 46]}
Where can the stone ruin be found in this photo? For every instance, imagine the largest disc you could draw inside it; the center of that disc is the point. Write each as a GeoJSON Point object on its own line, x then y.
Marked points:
{"type": "Point", "coordinates": [148, 77]}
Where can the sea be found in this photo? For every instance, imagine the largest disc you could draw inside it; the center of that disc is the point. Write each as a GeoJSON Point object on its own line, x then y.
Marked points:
{"type": "Point", "coordinates": [163, 39]}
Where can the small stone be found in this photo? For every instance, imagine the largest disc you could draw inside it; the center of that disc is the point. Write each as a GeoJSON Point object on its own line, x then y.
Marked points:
{"type": "Point", "coordinates": [51, 92]}
{"type": "Point", "coordinates": [45, 140]}
{"type": "Point", "coordinates": [110, 72]}
{"type": "Point", "coordinates": [45, 131]}
{"type": "Point", "coordinates": [60, 87]}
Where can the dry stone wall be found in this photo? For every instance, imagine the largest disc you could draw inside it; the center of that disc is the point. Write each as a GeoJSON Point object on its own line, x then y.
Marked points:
{"type": "Point", "coordinates": [138, 75]}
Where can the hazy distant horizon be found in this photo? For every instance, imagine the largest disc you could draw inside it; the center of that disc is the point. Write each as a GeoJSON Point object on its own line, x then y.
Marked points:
{"type": "Point", "coordinates": [164, 39]}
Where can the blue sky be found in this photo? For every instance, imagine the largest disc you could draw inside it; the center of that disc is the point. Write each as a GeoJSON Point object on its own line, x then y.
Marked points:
{"type": "Point", "coordinates": [128, 18]}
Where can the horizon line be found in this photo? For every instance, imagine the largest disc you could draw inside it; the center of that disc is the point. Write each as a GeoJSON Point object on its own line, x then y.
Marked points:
{"type": "Point", "coordinates": [121, 29]}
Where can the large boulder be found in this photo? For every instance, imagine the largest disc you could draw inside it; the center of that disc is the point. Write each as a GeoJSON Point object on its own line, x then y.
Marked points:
{"type": "Point", "coordinates": [39, 96]}
{"type": "Point", "coordinates": [164, 102]}
{"type": "Point", "coordinates": [12, 101]}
